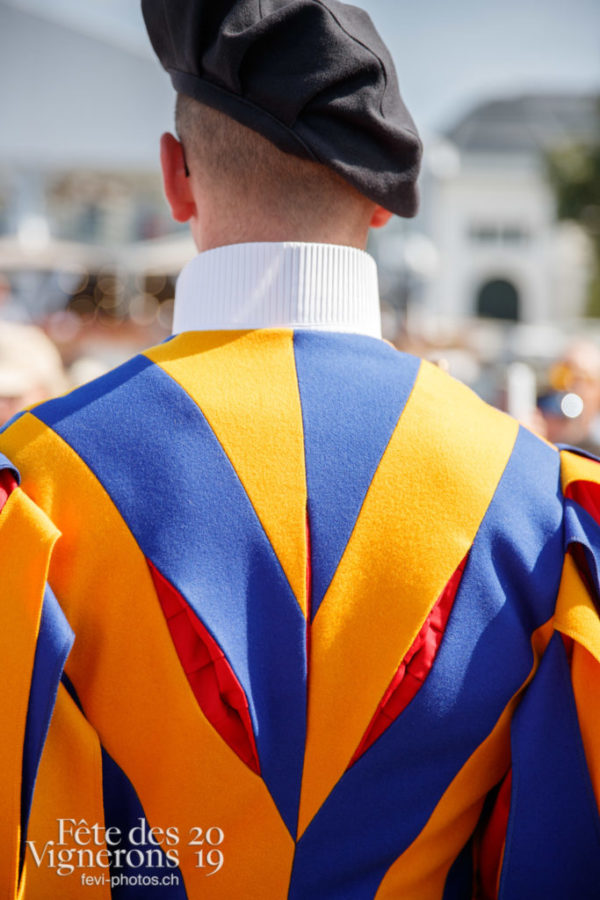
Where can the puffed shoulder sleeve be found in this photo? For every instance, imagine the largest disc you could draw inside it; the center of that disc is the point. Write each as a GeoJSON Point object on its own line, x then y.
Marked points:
{"type": "Point", "coordinates": [542, 838]}
{"type": "Point", "coordinates": [578, 604]}
{"type": "Point", "coordinates": [35, 640]}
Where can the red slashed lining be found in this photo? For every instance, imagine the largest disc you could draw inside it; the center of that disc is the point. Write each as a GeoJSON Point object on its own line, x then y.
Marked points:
{"type": "Point", "coordinates": [415, 666]}
{"type": "Point", "coordinates": [587, 494]}
{"type": "Point", "coordinates": [215, 686]}
{"type": "Point", "coordinates": [7, 486]}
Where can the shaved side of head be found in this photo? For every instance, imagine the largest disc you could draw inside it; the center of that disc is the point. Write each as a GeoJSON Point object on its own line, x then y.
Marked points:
{"type": "Point", "coordinates": [253, 178]}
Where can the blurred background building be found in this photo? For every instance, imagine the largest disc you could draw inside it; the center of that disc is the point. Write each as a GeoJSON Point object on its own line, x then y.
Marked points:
{"type": "Point", "coordinates": [84, 229]}
{"type": "Point", "coordinates": [503, 254]}
{"type": "Point", "coordinates": [494, 280]}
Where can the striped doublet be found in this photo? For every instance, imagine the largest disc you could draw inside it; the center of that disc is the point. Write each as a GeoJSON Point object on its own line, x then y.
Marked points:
{"type": "Point", "coordinates": [312, 594]}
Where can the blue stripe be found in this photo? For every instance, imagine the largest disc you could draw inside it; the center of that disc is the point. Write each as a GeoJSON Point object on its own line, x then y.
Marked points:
{"type": "Point", "coordinates": [353, 390]}
{"type": "Point", "coordinates": [582, 528]}
{"type": "Point", "coordinates": [154, 452]}
{"type": "Point", "coordinates": [383, 802]}
{"type": "Point", "coordinates": [578, 451]}
{"type": "Point", "coordinates": [5, 463]}
{"type": "Point", "coordinates": [136, 872]}
{"type": "Point", "coordinates": [553, 836]}
{"type": "Point", "coordinates": [54, 642]}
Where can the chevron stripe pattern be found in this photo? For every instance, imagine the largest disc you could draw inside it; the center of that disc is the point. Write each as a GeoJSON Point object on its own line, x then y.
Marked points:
{"type": "Point", "coordinates": [300, 606]}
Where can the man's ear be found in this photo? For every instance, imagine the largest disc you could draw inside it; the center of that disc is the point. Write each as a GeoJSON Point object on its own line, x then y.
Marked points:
{"type": "Point", "coordinates": [380, 217]}
{"type": "Point", "coordinates": [175, 179]}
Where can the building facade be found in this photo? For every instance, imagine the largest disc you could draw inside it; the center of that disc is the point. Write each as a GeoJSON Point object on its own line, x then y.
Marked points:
{"type": "Point", "coordinates": [491, 214]}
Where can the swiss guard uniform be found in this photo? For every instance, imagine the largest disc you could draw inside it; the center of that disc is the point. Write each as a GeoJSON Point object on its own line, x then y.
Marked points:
{"type": "Point", "coordinates": [288, 613]}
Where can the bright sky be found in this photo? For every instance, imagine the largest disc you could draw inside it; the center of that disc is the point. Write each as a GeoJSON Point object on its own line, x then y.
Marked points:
{"type": "Point", "coordinates": [449, 53]}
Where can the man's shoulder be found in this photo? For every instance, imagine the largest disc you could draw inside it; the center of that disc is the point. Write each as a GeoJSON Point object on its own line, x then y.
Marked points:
{"type": "Point", "coordinates": [36, 440]}
{"type": "Point", "coordinates": [349, 396]}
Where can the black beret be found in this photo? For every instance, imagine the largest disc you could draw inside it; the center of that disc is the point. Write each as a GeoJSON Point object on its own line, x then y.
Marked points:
{"type": "Point", "coordinates": [313, 77]}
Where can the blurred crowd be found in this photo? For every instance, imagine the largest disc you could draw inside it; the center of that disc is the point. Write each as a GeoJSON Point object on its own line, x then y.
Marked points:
{"type": "Point", "coordinates": [559, 401]}
{"type": "Point", "coordinates": [569, 407]}
{"type": "Point", "coordinates": [44, 357]}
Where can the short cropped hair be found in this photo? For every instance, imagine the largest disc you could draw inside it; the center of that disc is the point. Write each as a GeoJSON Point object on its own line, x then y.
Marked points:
{"type": "Point", "coordinates": [249, 165]}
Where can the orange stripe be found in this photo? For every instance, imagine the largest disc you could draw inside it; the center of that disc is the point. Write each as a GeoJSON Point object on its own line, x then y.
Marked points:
{"type": "Point", "coordinates": [576, 613]}
{"type": "Point", "coordinates": [69, 786]}
{"type": "Point", "coordinates": [577, 468]}
{"type": "Point", "coordinates": [421, 872]}
{"type": "Point", "coordinates": [26, 542]}
{"type": "Point", "coordinates": [246, 385]}
{"type": "Point", "coordinates": [134, 690]}
{"type": "Point", "coordinates": [423, 508]}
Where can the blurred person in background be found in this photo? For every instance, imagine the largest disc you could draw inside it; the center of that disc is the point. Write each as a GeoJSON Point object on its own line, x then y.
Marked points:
{"type": "Point", "coordinates": [571, 409]}
{"type": "Point", "coordinates": [31, 368]}
{"type": "Point", "coordinates": [5, 292]}
{"type": "Point", "coordinates": [9, 310]}
{"type": "Point", "coordinates": [285, 592]}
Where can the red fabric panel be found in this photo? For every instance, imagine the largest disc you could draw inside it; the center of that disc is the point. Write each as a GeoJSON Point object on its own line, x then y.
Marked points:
{"type": "Point", "coordinates": [587, 494]}
{"type": "Point", "coordinates": [415, 666]}
{"type": "Point", "coordinates": [215, 686]}
{"type": "Point", "coordinates": [491, 846]}
{"type": "Point", "coordinates": [7, 486]}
